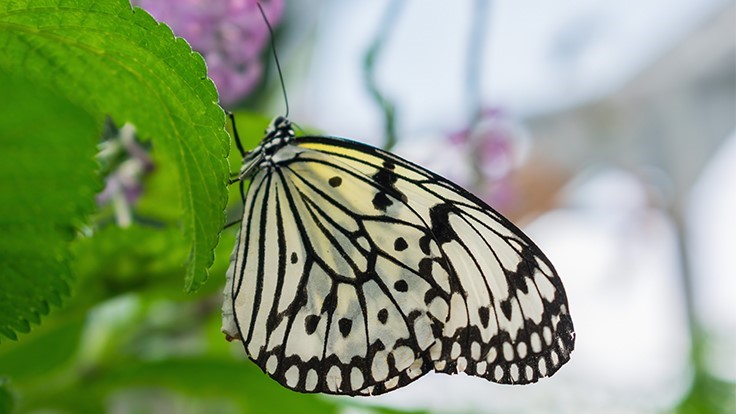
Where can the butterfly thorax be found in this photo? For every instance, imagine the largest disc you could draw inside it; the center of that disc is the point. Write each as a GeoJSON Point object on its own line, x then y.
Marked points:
{"type": "Point", "coordinates": [278, 134]}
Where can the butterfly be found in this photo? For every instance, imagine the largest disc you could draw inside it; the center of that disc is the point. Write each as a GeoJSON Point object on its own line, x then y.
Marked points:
{"type": "Point", "coordinates": [356, 272]}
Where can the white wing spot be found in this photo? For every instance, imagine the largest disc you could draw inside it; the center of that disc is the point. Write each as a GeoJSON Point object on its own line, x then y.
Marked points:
{"type": "Point", "coordinates": [542, 367]}
{"type": "Point", "coordinates": [547, 333]}
{"type": "Point", "coordinates": [363, 242]}
{"type": "Point", "coordinates": [546, 288]}
{"type": "Point", "coordinates": [457, 315]}
{"type": "Point", "coordinates": [475, 350]}
{"type": "Point", "coordinates": [334, 378]}
{"type": "Point", "coordinates": [492, 354]}
{"type": "Point", "coordinates": [392, 383]}
{"type": "Point", "coordinates": [435, 352]}
{"type": "Point", "coordinates": [515, 244]}
{"type": "Point", "coordinates": [536, 342]}
{"type": "Point", "coordinates": [508, 351]}
{"type": "Point", "coordinates": [514, 371]}
{"type": "Point", "coordinates": [272, 364]}
{"type": "Point", "coordinates": [498, 373]}
{"type": "Point", "coordinates": [292, 376]}
{"type": "Point", "coordinates": [521, 349]}
{"type": "Point", "coordinates": [455, 351]}
{"type": "Point", "coordinates": [543, 267]}
{"type": "Point", "coordinates": [462, 363]}
{"type": "Point", "coordinates": [438, 308]}
{"type": "Point", "coordinates": [356, 378]}
{"type": "Point", "coordinates": [555, 358]}
{"type": "Point", "coordinates": [403, 357]}
{"type": "Point", "coordinates": [480, 367]}
{"type": "Point", "coordinates": [379, 367]}
{"type": "Point", "coordinates": [529, 372]}
{"type": "Point", "coordinates": [415, 369]}
{"type": "Point", "coordinates": [440, 365]}
{"type": "Point", "coordinates": [423, 332]}
{"type": "Point", "coordinates": [311, 381]}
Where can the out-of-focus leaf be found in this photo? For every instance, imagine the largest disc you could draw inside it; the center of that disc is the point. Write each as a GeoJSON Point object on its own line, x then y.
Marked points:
{"type": "Point", "coordinates": [110, 58]}
{"type": "Point", "coordinates": [117, 261]}
{"type": "Point", "coordinates": [47, 185]}
{"type": "Point", "coordinates": [43, 351]}
{"type": "Point", "coordinates": [6, 398]}
{"type": "Point", "coordinates": [202, 378]}
{"type": "Point", "coordinates": [242, 382]}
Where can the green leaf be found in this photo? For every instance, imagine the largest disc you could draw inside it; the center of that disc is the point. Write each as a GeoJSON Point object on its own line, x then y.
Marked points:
{"type": "Point", "coordinates": [47, 184]}
{"type": "Point", "coordinates": [44, 352]}
{"type": "Point", "coordinates": [112, 59]}
{"type": "Point", "coordinates": [118, 261]}
{"type": "Point", "coordinates": [6, 397]}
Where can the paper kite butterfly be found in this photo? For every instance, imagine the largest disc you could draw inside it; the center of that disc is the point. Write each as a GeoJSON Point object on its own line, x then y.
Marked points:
{"type": "Point", "coordinates": [356, 272]}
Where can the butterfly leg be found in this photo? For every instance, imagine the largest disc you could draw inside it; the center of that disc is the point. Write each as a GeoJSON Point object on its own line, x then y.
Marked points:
{"type": "Point", "coordinates": [235, 134]}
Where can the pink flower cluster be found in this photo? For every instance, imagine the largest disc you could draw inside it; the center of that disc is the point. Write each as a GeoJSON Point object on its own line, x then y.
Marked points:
{"type": "Point", "coordinates": [230, 34]}
{"type": "Point", "coordinates": [495, 144]}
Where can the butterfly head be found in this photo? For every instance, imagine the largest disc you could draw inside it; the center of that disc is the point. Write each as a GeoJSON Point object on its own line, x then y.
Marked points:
{"type": "Point", "coordinates": [279, 126]}
{"type": "Point", "coordinates": [278, 134]}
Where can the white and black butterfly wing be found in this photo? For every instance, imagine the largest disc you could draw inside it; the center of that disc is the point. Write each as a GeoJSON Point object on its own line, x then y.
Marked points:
{"type": "Point", "coordinates": [356, 272]}
{"type": "Point", "coordinates": [308, 302]}
{"type": "Point", "coordinates": [508, 318]}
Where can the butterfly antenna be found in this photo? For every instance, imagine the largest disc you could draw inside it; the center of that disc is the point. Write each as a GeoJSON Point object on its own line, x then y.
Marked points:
{"type": "Point", "coordinates": [275, 58]}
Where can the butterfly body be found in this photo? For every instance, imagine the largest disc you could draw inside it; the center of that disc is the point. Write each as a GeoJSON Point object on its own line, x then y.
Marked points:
{"type": "Point", "coordinates": [356, 272]}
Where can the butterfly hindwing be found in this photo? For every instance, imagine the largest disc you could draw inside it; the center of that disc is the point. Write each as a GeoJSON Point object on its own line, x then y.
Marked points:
{"type": "Point", "coordinates": [508, 319]}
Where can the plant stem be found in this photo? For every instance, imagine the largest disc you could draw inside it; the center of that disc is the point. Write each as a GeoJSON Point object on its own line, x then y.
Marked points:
{"type": "Point", "coordinates": [388, 21]}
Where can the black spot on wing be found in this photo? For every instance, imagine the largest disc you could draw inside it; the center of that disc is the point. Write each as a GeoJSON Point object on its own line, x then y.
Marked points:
{"type": "Point", "coordinates": [310, 323]}
{"type": "Point", "coordinates": [330, 303]}
{"type": "Point", "coordinates": [400, 244]}
{"type": "Point", "coordinates": [335, 181]}
{"type": "Point", "coordinates": [345, 326]}
{"type": "Point", "coordinates": [484, 315]}
{"type": "Point", "coordinates": [506, 308]}
{"type": "Point", "coordinates": [401, 286]}
{"type": "Point", "coordinates": [383, 316]}
{"type": "Point", "coordinates": [439, 216]}
{"type": "Point", "coordinates": [424, 242]}
{"type": "Point", "coordinates": [386, 179]}
{"type": "Point", "coordinates": [425, 267]}
{"type": "Point", "coordinates": [381, 201]}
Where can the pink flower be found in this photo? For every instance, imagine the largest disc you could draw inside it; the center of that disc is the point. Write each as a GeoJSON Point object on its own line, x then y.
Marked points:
{"type": "Point", "coordinates": [230, 34]}
{"type": "Point", "coordinates": [495, 145]}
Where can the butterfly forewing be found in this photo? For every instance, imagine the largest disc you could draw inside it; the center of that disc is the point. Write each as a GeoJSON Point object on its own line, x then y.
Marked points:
{"type": "Point", "coordinates": [319, 305]}
{"type": "Point", "coordinates": [356, 272]}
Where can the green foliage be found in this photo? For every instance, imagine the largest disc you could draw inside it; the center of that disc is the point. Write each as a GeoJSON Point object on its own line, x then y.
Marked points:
{"type": "Point", "coordinates": [47, 182]}
{"type": "Point", "coordinates": [6, 398]}
{"type": "Point", "coordinates": [111, 59]}
{"type": "Point", "coordinates": [708, 394]}
{"type": "Point", "coordinates": [95, 58]}
{"type": "Point", "coordinates": [128, 338]}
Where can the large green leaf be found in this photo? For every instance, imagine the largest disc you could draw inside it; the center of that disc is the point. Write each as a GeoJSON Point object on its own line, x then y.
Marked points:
{"type": "Point", "coordinates": [112, 59]}
{"type": "Point", "coordinates": [47, 184]}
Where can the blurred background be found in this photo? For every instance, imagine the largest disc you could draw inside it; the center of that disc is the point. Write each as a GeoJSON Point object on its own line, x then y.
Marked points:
{"type": "Point", "coordinates": [606, 130]}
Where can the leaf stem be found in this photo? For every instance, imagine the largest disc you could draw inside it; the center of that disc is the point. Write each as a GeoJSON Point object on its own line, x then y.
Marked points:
{"type": "Point", "coordinates": [388, 21]}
